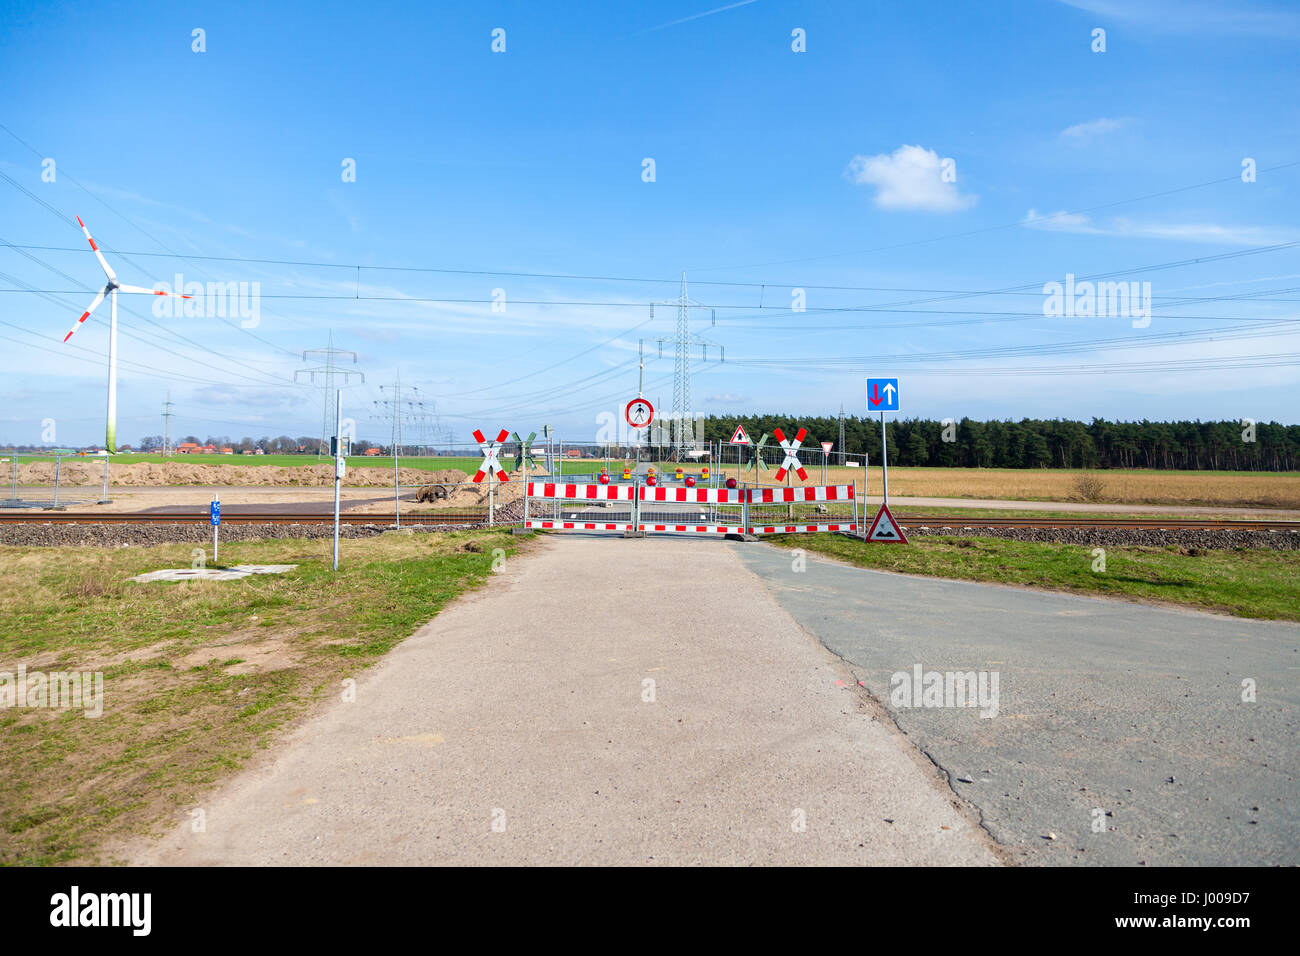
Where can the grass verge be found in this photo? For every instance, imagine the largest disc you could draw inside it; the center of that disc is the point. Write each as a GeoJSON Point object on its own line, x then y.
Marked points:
{"type": "Point", "coordinates": [198, 675]}
{"type": "Point", "coordinates": [1244, 582]}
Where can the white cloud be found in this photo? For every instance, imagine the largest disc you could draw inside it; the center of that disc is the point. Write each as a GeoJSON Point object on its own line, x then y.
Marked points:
{"type": "Point", "coordinates": [1198, 16]}
{"type": "Point", "coordinates": [1061, 222]}
{"type": "Point", "coordinates": [911, 177]}
{"type": "Point", "coordinates": [1081, 133]}
{"type": "Point", "coordinates": [1082, 224]}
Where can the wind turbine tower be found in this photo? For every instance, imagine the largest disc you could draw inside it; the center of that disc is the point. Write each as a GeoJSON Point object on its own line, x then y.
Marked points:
{"type": "Point", "coordinates": [110, 291]}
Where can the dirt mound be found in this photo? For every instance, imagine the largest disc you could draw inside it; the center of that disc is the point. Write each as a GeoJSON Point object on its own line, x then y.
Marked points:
{"type": "Point", "coordinates": [155, 474]}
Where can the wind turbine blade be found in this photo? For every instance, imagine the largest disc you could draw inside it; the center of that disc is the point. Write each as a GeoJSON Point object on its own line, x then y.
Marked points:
{"type": "Point", "coordinates": [85, 315]}
{"type": "Point", "coordinates": [142, 290]}
{"type": "Point", "coordinates": [112, 276]}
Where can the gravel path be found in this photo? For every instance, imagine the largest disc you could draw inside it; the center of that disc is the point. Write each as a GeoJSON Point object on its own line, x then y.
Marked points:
{"type": "Point", "coordinates": [525, 705]}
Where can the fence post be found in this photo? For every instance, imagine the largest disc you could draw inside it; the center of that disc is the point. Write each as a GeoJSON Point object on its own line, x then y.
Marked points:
{"type": "Point", "coordinates": [103, 499]}
{"type": "Point", "coordinates": [58, 460]}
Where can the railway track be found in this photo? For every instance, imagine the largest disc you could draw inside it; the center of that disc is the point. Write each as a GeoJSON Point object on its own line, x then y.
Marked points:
{"type": "Point", "coordinates": [1083, 521]}
{"type": "Point", "coordinates": [463, 517]}
{"type": "Point", "coordinates": [201, 517]}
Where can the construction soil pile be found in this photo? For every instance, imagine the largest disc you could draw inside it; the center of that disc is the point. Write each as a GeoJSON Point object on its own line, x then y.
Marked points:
{"type": "Point", "coordinates": [158, 474]}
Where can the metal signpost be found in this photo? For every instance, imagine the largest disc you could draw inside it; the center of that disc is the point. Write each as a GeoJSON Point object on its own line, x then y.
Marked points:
{"type": "Point", "coordinates": [882, 396]}
{"type": "Point", "coordinates": [214, 515]}
{"type": "Point", "coordinates": [638, 413]}
{"type": "Point", "coordinates": [340, 466]}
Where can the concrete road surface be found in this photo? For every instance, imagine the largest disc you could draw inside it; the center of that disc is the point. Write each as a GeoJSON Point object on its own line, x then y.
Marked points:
{"type": "Point", "coordinates": [1124, 714]}
{"type": "Point", "coordinates": [605, 701]}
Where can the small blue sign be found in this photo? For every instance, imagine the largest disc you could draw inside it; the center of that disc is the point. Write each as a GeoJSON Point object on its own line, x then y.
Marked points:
{"type": "Point", "coordinates": [882, 395]}
{"type": "Point", "coordinates": [216, 513]}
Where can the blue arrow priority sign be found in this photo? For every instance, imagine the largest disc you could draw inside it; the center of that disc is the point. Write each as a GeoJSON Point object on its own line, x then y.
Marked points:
{"type": "Point", "coordinates": [216, 513]}
{"type": "Point", "coordinates": [882, 395]}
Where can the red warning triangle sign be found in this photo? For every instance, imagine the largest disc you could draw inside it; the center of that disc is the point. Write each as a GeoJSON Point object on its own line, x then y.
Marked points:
{"type": "Point", "coordinates": [740, 438]}
{"type": "Point", "coordinates": [886, 530]}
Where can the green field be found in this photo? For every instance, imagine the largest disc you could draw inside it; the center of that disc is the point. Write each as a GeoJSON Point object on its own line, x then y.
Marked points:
{"type": "Point", "coordinates": [197, 675]}
{"type": "Point", "coordinates": [1244, 582]}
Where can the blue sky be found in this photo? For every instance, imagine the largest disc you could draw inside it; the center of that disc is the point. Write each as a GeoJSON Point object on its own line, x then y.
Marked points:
{"type": "Point", "coordinates": [774, 170]}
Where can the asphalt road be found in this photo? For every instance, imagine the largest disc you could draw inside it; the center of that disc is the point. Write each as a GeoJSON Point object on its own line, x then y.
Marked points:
{"type": "Point", "coordinates": [1130, 710]}
{"type": "Point", "coordinates": [525, 705]}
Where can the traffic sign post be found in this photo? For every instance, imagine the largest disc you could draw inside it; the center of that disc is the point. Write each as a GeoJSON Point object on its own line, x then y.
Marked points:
{"type": "Point", "coordinates": [883, 396]}
{"type": "Point", "coordinates": [491, 467]}
{"type": "Point", "coordinates": [214, 515]}
{"type": "Point", "coordinates": [826, 452]}
{"type": "Point", "coordinates": [791, 448]}
{"type": "Point", "coordinates": [639, 413]}
{"type": "Point", "coordinates": [885, 528]}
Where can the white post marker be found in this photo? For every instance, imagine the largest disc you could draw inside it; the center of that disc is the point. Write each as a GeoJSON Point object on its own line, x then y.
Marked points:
{"type": "Point", "coordinates": [340, 466]}
{"type": "Point", "coordinates": [214, 515]}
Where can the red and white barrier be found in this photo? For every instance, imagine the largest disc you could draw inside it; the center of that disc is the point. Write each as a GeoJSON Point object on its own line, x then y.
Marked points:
{"type": "Point", "coordinates": [552, 525]}
{"type": "Point", "coordinates": [695, 528]}
{"type": "Point", "coordinates": [548, 489]}
{"type": "Point", "coordinates": [690, 496]}
{"type": "Point", "coordinates": [800, 528]}
{"type": "Point", "coordinates": [765, 496]}
{"type": "Point", "coordinates": [722, 496]}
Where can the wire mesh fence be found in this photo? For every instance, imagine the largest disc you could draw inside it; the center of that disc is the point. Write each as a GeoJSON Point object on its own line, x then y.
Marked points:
{"type": "Point", "coordinates": [46, 480]}
{"type": "Point", "coordinates": [715, 487]}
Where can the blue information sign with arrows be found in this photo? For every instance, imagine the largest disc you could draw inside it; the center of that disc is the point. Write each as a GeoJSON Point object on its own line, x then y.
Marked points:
{"type": "Point", "coordinates": [216, 513]}
{"type": "Point", "coordinates": [882, 395]}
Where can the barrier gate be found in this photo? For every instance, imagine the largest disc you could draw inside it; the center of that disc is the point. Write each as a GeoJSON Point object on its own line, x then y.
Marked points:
{"type": "Point", "coordinates": [557, 506]}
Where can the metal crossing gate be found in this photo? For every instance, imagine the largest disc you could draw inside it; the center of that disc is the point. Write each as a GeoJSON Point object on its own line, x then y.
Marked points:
{"type": "Point", "coordinates": [633, 506]}
{"type": "Point", "coordinates": [555, 500]}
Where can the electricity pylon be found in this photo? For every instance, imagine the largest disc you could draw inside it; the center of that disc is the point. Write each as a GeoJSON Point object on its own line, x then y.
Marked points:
{"type": "Point", "coordinates": [325, 376]}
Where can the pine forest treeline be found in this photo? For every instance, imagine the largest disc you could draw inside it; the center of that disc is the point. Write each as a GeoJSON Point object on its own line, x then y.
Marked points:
{"type": "Point", "coordinates": [1042, 443]}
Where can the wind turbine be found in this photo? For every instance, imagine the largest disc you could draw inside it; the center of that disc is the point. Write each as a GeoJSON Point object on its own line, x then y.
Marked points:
{"type": "Point", "coordinates": [111, 289]}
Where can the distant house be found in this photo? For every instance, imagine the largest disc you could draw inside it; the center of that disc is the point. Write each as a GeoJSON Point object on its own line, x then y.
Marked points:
{"type": "Point", "coordinates": [187, 448]}
{"type": "Point", "coordinates": [372, 451]}
{"type": "Point", "coordinates": [209, 449]}
{"type": "Point", "coordinates": [573, 453]}
{"type": "Point", "coordinates": [227, 450]}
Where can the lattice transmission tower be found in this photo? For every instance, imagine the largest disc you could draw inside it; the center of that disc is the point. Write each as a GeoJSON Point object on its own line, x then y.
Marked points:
{"type": "Point", "coordinates": [326, 376]}
{"type": "Point", "coordinates": [683, 414]}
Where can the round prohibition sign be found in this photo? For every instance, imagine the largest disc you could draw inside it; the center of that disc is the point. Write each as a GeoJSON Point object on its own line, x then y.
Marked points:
{"type": "Point", "coordinates": [639, 413]}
